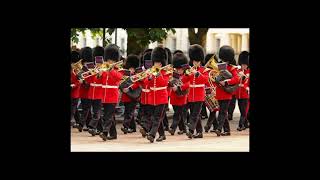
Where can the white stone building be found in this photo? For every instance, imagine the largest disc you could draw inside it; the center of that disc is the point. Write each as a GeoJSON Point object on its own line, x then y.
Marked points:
{"type": "Point", "coordinates": [238, 38]}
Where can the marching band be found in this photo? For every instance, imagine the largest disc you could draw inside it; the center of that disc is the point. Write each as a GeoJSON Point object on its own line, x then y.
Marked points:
{"type": "Point", "coordinates": [100, 80]}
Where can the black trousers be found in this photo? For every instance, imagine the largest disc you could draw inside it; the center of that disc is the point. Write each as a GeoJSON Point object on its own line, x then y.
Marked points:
{"type": "Point", "coordinates": [129, 108]}
{"type": "Point", "coordinates": [195, 122]}
{"type": "Point", "coordinates": [139, 115]}
{"type": "Point", "coordinates": [243, 103]}
{"type": "Point", "coordinates": [222, 117]}
{"type": "Point", "coordinates": [165, 119]}
{"type": "Point", "coordinates": [212, 120]}
{"type": "Point", "coordinates": [157, 117]}
{"type": "Point", "coordinates": [232, 106]}
{"type": "Point", "coordinates": [74, 110]}
{"type": "Point", "coordinates": [177, 117]}
{"type": "Point", "coordinates": [146, 117]}
{"type": "Point", "coordinates": [86, 112]}
{"type": "Point", "coordinates": [187, 112]}
{"type": "Point", "coordinates": [96, 106]}
{"type": "Point", "coordinates": [204, 112]}
{"type": "Point", "coordinates": [109, 124]}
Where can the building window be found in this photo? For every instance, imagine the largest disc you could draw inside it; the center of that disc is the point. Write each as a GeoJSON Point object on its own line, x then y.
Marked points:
{"type": "Point", "coordinates": [84, 42]}
{"type": "Point", "coordinates": [218, 41]}
{"type": "Point", "coordinates": [97, 41]}
{"type": "Point", "coordinates": [174, 44]}
{"type": "Point", "coordinates": [122, 43]}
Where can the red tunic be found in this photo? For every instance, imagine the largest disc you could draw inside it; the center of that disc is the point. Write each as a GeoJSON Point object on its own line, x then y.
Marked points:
{"type": "Point", "coordinates": [75, 86]}
{"type": "Point", "coordinates": [242, 92]}
{"type": "Point", "coordinates": [95, 89]}
{"type": "Point", "coordinates": [110, 86]}
{"type": "Point", "coordinates": [197, 84]}
{"type": "Point", "coordinates": [223, 95]}
{"type": "Point", "coordinates": [180, 100]}
{"type": "Point", "coordinates": [158, 89]}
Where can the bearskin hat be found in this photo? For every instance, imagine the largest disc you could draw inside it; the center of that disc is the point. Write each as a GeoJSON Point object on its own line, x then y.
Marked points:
{"type": "Point", "coordinates": [142, 55]}
{"type": "Point", "coordinates": [169, 55]}
{"type": "Point", "coordinates": [208, 56]}
{"type": "Point", "coordinates": [132, 61]}
{"type": "Point", "coordinates": [112, 52]}
{"type": "Point", "coordinates": [244, 58]}
{"type": "Point", "coordinates": [159, 54]}
{"type": "Point", "coordinates": [75, 56]}
{"type": "Point", "coordinates": [177, 51]}
{"type": "Point", "coordinates": [226, 54]}
{"type": "Point", "coordinates": [86, 54]}
{"type": "Point", "coordinates": [196, 53]}
{"type": "Point", "coordinates": [98, 51]}
{"type": "Point", "coordinates": [179, 59]}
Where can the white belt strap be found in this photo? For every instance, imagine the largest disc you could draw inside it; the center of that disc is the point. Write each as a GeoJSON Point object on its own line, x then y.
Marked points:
{"type": "Point", "coordinates": [107, 86]}
{"type": "Point", "coordinates": [157, 89]}
{"type": "Point", "coordinates": [145, 90]}
{"type": "Point", "coordinates": [95, 85]}
{"type": "Point", "coordinates": [196, 85]}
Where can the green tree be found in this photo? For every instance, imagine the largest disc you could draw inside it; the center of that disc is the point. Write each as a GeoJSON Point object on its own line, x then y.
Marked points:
{"type": "Point", "coordinates": [198, 38]}
{"type": "Point", "coordinates": [95, 32]}
{"type": "Point", "coordinates": [140, 38]}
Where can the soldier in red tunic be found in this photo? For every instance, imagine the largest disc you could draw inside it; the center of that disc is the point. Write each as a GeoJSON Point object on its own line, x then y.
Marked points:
{"type": "Point", "coordinates": [132, 62]}
{"type": "Point", "coordinates": [178, 96]}
{"type": "Point", "coordinates": [87, 57]}
{"type": "Point", "coordinates": [158, 95]}
{"type": "Point", "coordinates": [110, 92]}
{"type": "Point", "coordinates": [242, 93]}
{"type": "Point", "coordinates": [95, 95]}
{"type": "Point", "coordinates": [75, 88]}
{"type": "Point", "coordinates": [226, 54]}
{"type": "Point", "coordinates": [198, 78]}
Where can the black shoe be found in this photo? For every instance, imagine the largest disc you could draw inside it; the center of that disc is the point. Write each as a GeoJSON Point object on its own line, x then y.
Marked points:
{"type": "Point", "coordinates": [124, 130]}
{"type": "Point", "coordinates": [85, 128]}
{"type": "Point", "coordinates": [171, 131]}
{"type": "Point", "coordinates": [198, 135]}
{"type": "Point", "coordinates": [180, 132]}
{"type": "Point", "coordinates": [213, 130]}
{"type": "Point", "coordinates": [206, 128]}
{"type": "Point", "coordinates": [166, 128]}
{"type": "Point", "coordinates": [103, 136]}
{"type": "Point", "coordinates": [230, 117]}
{"type": "Point", "coordinates": [111, 137]}
{"type": "Point", "coordinates": [92, 131]}
{"type": "Point", "coordinates": [225, 134]}
{"type": "Point", "coordinates": [239, 129]}
{"type": "Point", "coordinates": [150, 138]}
{"type": "Point", "coordinates": [79, 127]}
{"type": "Point", "coordinates": [130, 130]}
{"type": "Point", "coordinates": [134, 130]}
{"type": "Point", "coordinates": [243, 128]}
{"type": "Point", "coordinates": [143, 132]}
{"type": "Point", "coordinates": [204, 117]}
{"type": "Point", "coordinates": [189, 134]}
{"type": "Point", "coordinates": [218, 132]}
{"type": "Point", "coordinates": [161, 138]}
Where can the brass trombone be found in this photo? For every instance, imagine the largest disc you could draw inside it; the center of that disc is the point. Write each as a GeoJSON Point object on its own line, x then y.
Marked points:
{"type": "Point", "coordinates": [103, 67]}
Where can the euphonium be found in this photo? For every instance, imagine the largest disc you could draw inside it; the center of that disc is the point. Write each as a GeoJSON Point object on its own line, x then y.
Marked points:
{"type": "Point", "coordinates": [77, 67]}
